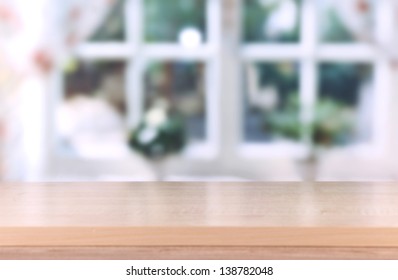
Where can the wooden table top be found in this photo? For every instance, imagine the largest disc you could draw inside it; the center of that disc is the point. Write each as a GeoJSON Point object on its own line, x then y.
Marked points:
{"type": "Point", "coordinates": [199, 214]}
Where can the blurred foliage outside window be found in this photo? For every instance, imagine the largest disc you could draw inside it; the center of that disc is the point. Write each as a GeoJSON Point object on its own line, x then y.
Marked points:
{"type": "Point", "coordinates": [113, 28]}
{"type": "Point", "coordinates": [342, 21]}
{"type": "Point", "coordinates": [181, 86]}
{"type": "Point", "coordinates": [334, 29]}
{"type": "Point", "coordinates": [341, 87]}
{"type": "Point", "coordinates": [166, 20]}
{"type": "Point", "coordinates": [271, 21]}
{"type": "Point", "coordinates": [270, 87]}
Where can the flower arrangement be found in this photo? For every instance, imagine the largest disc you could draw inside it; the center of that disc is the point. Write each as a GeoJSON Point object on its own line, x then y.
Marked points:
{"type": "Point", "coordinates": [159, 134]}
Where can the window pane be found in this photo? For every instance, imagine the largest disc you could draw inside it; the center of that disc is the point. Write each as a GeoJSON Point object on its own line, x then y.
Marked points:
{"type": "Point", "coordinates": [271, 109]}
{"type": "Point", "coordinates": [344, 108]}
{"type": "Point", "coordinates": [90, 119]}
{"type": "Point", "coordinates": [113, 27]}
{"type": "Point", "coordinates": [181, 86]}
{"type": "Point", "coordinates": [345, 21]}
{"type": "Point", "coordinates": [180, 21]}
{"type": "Point", "coordinates": [271, 20]}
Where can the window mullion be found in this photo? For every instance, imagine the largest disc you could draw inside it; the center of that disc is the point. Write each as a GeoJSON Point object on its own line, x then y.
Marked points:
{"type": "Point", "coordinates": [213, 16]}
{"type": "Point", "coordinates": [309, 70]}
{"type": "Point", "coordinates": [384, 39]}
{"type": "Point", "coordinates": [213, 77]}
{"type": "Point", "coordinates": [136, 65]}
{"type": "Point", "coordinates": [229, 107]}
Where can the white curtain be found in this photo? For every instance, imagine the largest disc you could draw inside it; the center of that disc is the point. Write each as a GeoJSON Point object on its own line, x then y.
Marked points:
{"type": "Point", "coordinates": [35, 36]}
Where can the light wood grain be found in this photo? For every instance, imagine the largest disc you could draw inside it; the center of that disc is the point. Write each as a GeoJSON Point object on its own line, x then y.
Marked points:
{"type": "Point", "coordinates": [199, 214]}
{"type": "Point", "coordinates": [196, 253]}
{"type": "Point", "coordinates": [198, 236]}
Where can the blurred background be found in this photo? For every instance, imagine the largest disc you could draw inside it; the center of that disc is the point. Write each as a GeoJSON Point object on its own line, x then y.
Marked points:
{"type": "Point", "coordinates": [198, 90]}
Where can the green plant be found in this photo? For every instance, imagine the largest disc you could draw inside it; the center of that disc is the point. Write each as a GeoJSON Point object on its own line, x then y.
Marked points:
{"type": "Point", "coordinates": [332, 122]}
{"type": "Point", "coordinates": [160, 133]}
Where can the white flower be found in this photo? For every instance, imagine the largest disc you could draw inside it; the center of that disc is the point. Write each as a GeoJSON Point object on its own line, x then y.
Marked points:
{"type": "Point", "coordinates": [155, 117]}
{"type": "Point", "coordinates": [147, 135]}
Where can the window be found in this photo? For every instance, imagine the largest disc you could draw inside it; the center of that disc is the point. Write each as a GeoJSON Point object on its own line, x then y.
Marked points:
{"type": "Point", "coordinates": [308, 49]}
{"type": "Point", "coordinates": [145, 51]}
{"type": "Point", "coordinates": [249, 76]}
